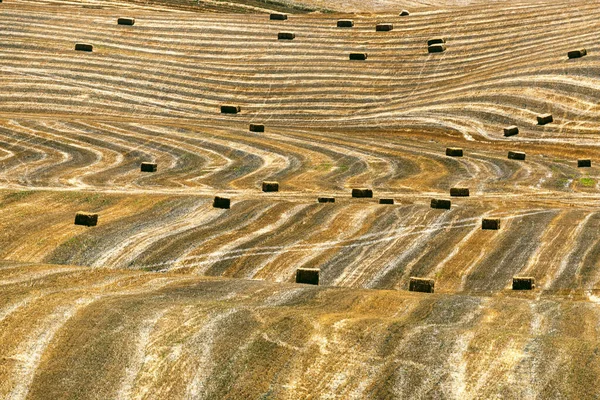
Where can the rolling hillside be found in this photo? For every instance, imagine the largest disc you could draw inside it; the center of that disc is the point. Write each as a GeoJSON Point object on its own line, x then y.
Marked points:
{"type": "Point", "coordinates": [169, 297]}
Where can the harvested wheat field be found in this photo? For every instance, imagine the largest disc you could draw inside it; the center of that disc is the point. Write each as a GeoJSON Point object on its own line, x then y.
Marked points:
{"type": "Point", "coordinates": [167, 166]}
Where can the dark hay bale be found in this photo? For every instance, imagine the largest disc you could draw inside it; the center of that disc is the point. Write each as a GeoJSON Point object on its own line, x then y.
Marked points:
{"type": "Point", "coordinates": [441, 204]}
{"type": "Point", "coordinates": [404, 13]}
{"type": "Point", "coordinates": [384, 27]}
{"type": "Point", "coordinates": [270, 186]}
{"type": "Point", "coordinates": [544, 119]}
{"type": "Point", "coordinates": [286, 35]}
{"type": "Point", "coordinates": [583, 163]}
{"type": "Point", "coordinates": [436, 40]}
{"type": "Point", "coordinates": [278, 17]}
{"type": "Point", "coordinates": [523, 283]}
{"type": "Point", "coordinates": [459, 192]}
{"type": "Point", "coordinates": [516, 155]}
{"type": "Point", "coordinates": [148, 167]}
{"type": "Point", "coordinates": [436, 48]}
{"type": "Point", "coordinates": [421, 285]}
{"type": "Point", "coordinates": [362, 193]}
{"type": "Point", "coordinates": [326, 199]}
{"type": "Point", "coordinates": [221, 202]}
{"type": "Point", "coordinates": [454, 151]}
{"type": "Point", "coordinates": [309, 276]}
{"type": "Point", "coordinates": [126, 21]}
{"type": "Point", "coordinates": [345, 23]}
{"type": "Point", "coordinates": [386, 201]}
{"type": "Point", "coordinates": [490, 224]}
{"type": "Point", "coordinates": [257, 128]}
{"type": "Point", "coordinates": [83, 47]}
{"type": "Point", "coordinates": [511, 130]}
{"type": "Point", "coordinates": [86, 219]}
{"type": "Point", "coordinates": [230, 109]}
{"type": "Point", "coordinates": [577, 53]}
{"type": "Point", "coordinates": [358, 56]}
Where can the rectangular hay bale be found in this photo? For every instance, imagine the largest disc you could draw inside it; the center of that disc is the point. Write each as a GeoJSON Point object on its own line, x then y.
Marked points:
{"type": "Point", "coordinates": [544, 119]}
{"type": "Point", "coordinates": [584, 163]}
{"type": "Point", "coordinates": [278, 17]}
{"type": "Point", "coordinates": [577, 53]}
{"type": "Point", "coordinates": [423, 285]}
{"type": "Point", "coordinates": [86, 219]}
{"type": "Point", "coordinates": [511, 130]}
{"type": "Point", "coordinates": [358, 56]}
{"type": "Point", "coordinates": [523, 283]}
{"type": "Point", "coordinates": [345, 23]}
{"type": "Point", "coordinates": [440, 204]}
{"type": "Point", "coordinates": [386, 201]}
{"type": "Point", "coordinates": [257, 128]}
{"type": "Point", "coordinates": [459, 192]}
{"type": "Point", "coordinates": [436, 40]}
{"type": "Point", "coordinates": [490, 224]}
{"type": "Point", "coordinates": [221, 202]}
{"type": "Point", "coordinates": [436, 48]}
{"type": "Point", "coordinates": [362, 193]}
{"type": "Point", "coordinates": [230, 109]}
{"type": "Point", "coordinates": [148, 167]}
{"type": "Point", "coordinates": [516, 155]}
{"type": "Point", "coordinates": [286, 35]}
{"type": "Point", "coordinates": [326, 199]}
{"type": "Point", "coordinates": [454, 151]}
{"type": "Point", "coordinates": [308, 276]}
{"type": "Point", "coordinates": [270, 186]}
{"type": "Point", "coordinates": [384, 27]}
{"type": "Point", "coordinates": [83, 47]}
{"type": "Point", "coordinates": [126, 21]}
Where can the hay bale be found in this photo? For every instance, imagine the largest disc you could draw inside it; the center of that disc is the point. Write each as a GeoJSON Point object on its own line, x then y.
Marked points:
{"type": "Point", "coordinates": [326, 199]}
{"type": "Point", "coordinates": [309, 276]}
{"type": "Point", "coordinates": [362, 193]}
{"type": "Point", "coordinates": [358, 56]}
{"type": "Point", "coordinates": [404, 13]}
{"type": "Point", "coordinates": [577, 53]}
{"type": "Point", "coordinates": [441, 204]}
{"type": "Point", "coordinates": [257, 128]}
{"type": "Point", "coordinates": [278, 17]}
{"type": "Point", "coordinates": [385, 27]}
{"type": "Point", "coordinates": [83, 47]}
{"type": "Point", "coordinates": [436, 48]}
{"type": "Point", "coordinates": [286, 35]}
{"type": "Point", "coordinates": [490, 224]}
{"type": "Point", "coordinates": [454, 151]}
{"type": "Point", "coordinates": [459, 192]}
{"type": "Point", "coordinates": [423, 285]}
{"type": "Point", "coordinates": [270, 186]}
{"type": "Point", "coordinates": [511, 130]}
{"type": "Point", "coordinates": [86, 219]}
{"type": "Point", "coordinates": [148, 167]}
{"type": "Point", "coordinates": [345, 23]}
{"type": "Point", "coordinates": [221, 202]}
{"type": "Point", "coordinates": [544, 119]}
{"type": "Point", "coordinates": [584, 163]}
{"type": "Point", "coordinates": [230, 109]}
{"type": "Point", "coordinates": [126, 21]}
{"type": "Point", "coordinates": [523, 283]}
{"type": "Point", "coordinates": [386, 201]}
{"type": "Point", "coordinates": [436, 40]}
{"type": "Point", "coordinates": [516, 155]}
